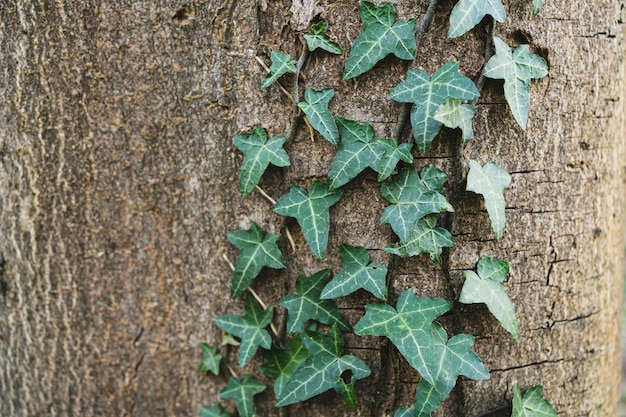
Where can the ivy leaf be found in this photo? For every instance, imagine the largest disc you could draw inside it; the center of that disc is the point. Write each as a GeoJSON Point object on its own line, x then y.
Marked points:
{"type": "Point", "coordinates": [433, 178]}
{"type": "Point", "coordinates": [453, 113]}
{"type": "Point", "coordinates": [516, 69]}
{"type": "Point", "coordinates": [428, 94]}
{"type": "Point", "coordinates": [281, 64]}
{"type": "Point", "coordinates": [424, 238]}
{"type": "Point", "coordinates": [468, 13]}
{"type": "Point", "coordinates": [410, 200]}
{"type": "Point", "coordinates": [307, 304]}
{"type": "Point", "coordinates": [311, 211]}
{"type": "Point", "coordinates": [381, 36]}
{"type": "Point", "coordinates": [250, 328]}
{"type": "Point", "coordinates": [282, 363]}
{"type": "Point", "coordinates": [256, 252]}
{"type": "Point", "coordinates": [322, 370]}
{"type": "Point", "coordinates": [486, 287]}
{"type": "Point", "coordinates": [258, 154]}
{"type": "Point", "coordinates": [213, 411]}
{"type": "Point", "coordinates": [393, 153]}
{"type": "Point", "coordinates": [315, 107]}
{"type": "Point", "coordinates": [405, 412]}
{"type": "Point", "coordinates": [537, 5]}
{"type": "Point", "coordinates": [490, 180]}
{"type": "Point", "coordinates": [356, 273]}
{"type": "Point", "coordinates": [533, 404]}
{"type": "Point", "coordinates": [408, 327]}
{"type": "Point", "coordinates": [318, 39]}
{"type": "Point", "coordinates": [454, 358]}
{"type": "Point", "coordinates": [210, 359]}
{"type": "Point", "coordinates": [242, 392]}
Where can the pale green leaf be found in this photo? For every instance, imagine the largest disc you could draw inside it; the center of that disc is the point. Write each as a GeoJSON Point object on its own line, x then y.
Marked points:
{"type": "Point", "coordinates": [486, 287]}
{"type": "Point", "coordinates": [310, 208]}
{"type": "Point", "coordinates": [258, 154]}
{"type": "Point", "coordinates": [428, 94]}
{"type": "Point", "coordinates": [282, 363]}
{"type": "Point", "coordinates": [533, 404]}
{"type": "Point", "coordinates": [256, 252]}
{"type": "Point", "coordinates": [242, 391]}
{"type": "Point", "coordinates": [357, 273]}
{"type": "Point", "coordinates": [424, 238]}
{"type": "Point", "coordinates": [468, 13]}
{"type": "Point", "coordinates": [210, 359]}
{"type": "Point", "coordinates": [318, 39]}
{"type": "Point", "coordinates": [250, 328]}
{"type": "Point", "coordinates": [537, 5]}
{"type": "Point", "coordinates": [308, 305]}
{"type": "Point", "coordinates": [408, 328]}
{"type": "Point", "coordinates": [213, 411]}
{"type": "Point", "coordinates": [490, 181]}
{"type": "Point", "coordinates": [410, 200]}
{"type": "Point", "coordinates": [516, 68]}
{"type": "Point", "coordinates": [453, 113]}
{"type": "Point", "coordinates": [281, 64]}
{"type": "Point", "coordinates": [315, 107]}
{"type": "Point", "coordinates": [323, 369]}
{"type": "Point", "coordinates": [381, 36]}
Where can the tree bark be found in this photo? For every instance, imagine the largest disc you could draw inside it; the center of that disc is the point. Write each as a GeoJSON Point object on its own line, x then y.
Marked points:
{"type": "Point", "coordinates": [119, 182]}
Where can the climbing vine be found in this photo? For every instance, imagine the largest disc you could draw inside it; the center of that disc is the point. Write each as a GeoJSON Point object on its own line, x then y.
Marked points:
{"type": "Point", "coordinates": [304, 355]}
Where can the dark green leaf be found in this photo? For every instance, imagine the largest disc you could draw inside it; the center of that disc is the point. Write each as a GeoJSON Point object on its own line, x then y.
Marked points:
{"type": "Point", "coordinates": [433, 178]}
{"type": "Point", "coordinates": [257, 251]}
{"type": "Point", "coordinates": [307, 304]}
{"type": "Point", "coordinates": [322, 370]}
{"type": "Point", "coordinates": [410, 200]}
{"type": "Point", "coordinates": [282, 363]}
{"type": "Point", "coordinates": [468, 13]}
{"type": "Point", "coordinates": [281, 64]}
{"type": "Point", "coordinates": [392, 154]}
{"type": "Point", "coordinates": [356, 273]}
{"type": "Point", "coordinates": [453, 113]}
{"type": "Point", "coordinates": [405, 412]}
{"type": "Point", "coordinates": [242, 392]}
{"type": "Point", "coordinates": [318, 39]}
{"type": "Point", "coordinates": [213, 411]}
{"type": "Point", "coordinates": [533, 404]}
{"type": "Point", "coordinates": [428, 94]}
{"type": "Point", "coordinates": [250, 328]}
{"type": "Point", "coordinates": [381, 36]}
{"type": "Point", "coordinates": [424, 238]}
{"type": "Point", "coordinates": [516, 69]}
{"type": "Point", "coordinates": [490, 181]}
{"type": "Point", "coordinates": [210, 359]}
{"type": "Point", "coordinates": [486, 287]}
{"type": "Point", "coordinates": [408, 327]}
{"type": "Point", "coordinates": [315, 107]}
{"type": "Point", "coordinates": [311, 210]}
{"type": "Point", "coordinates": [258, 154]}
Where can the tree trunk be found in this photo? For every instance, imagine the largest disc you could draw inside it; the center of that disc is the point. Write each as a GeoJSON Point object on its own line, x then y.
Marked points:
{"type": "Point", "coordinates": [119, 182]}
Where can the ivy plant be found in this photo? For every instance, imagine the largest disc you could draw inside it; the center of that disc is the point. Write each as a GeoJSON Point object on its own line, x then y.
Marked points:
{"type": "Point", "coordinates": [210, 359]}
{"type": "Point", "coordinates": [532, 404]}
{"type": "Point", "coordinates": [315, 106]}
{"type": "Point", "coordinates": [468, 13]}
{"type": "Point", "coordinates": [281, 64]}
{"type": "Point", "coordinates": [242, 391]}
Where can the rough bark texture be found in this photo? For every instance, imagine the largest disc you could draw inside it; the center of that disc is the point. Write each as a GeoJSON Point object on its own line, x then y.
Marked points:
{"type": "Point", "coordinates": [118, 184]}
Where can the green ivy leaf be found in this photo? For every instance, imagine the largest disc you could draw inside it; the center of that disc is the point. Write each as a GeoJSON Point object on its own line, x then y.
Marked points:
{"type": "Point", "coordinates": [256, 252]}
{"type": "Point", "coordinates": [516, 69]}
{"type": "Point", "coordinates": [258, 154]}
{"type": "Point", "coordinates": [453, 358]}
{"type": "Point", "coordinates": [410, 200]}
{"type": "Point", "coordinates": [315, 107]}
{"type": "Point", "coordinates": [356, 273]}
{"type": "Point", "coordinates": [392, 154]}
{"type": "Point", "coordinates": [468, 13]}
{"type": "Point", "coordinates": [453, 113]}
{"type": "Point", "coordinates": [381, 36]}
{"type": "Point", "coordinates": [282, 363]}
{"type": "Point", "coordinates": [318, 39]}
{"type": "Point", "coordinates": [210, 359]}
{"type": "Point", "coordinates": [537, 5]}
{"type": "Point", "coordinates": [281, 64]}
{"type": "Point", "coordinates": [490, 180]}
{"type": "Point", "coordinates": [311, 211]}
{"type": "Point", "coordinates": [308, 305]}
{"type": "Point", "coordinates": [533, 404]}
{"type": "Point", "coordinates": [250, 328]}
{"type": "Point", "coordinates": [487, 288]}
{"type": "Point", "coordinates": [428, 94]}
{"type": "Point", "coordinates": [242, 392]}
{"type": "Point", "coordinates": [322, 370]}
{"type": "Point", "coordinates": [424, 238]}
{"type": "Point", "coordinates": [433, 178]}
{"type": "Point", "coordinates": [405, 412]}
{"type": "Point", "coordinates": [213, 411]}
{"type": "Point", "coordinates": [408, 327]}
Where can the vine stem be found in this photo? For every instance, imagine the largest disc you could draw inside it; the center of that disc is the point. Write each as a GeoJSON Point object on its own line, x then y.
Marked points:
{"type": "Point", "coordinates": [287, 232]}
{"type": "Point", "coordinates": [295, 92]}
{"type": "Point", "coordinates": [489, 51]}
